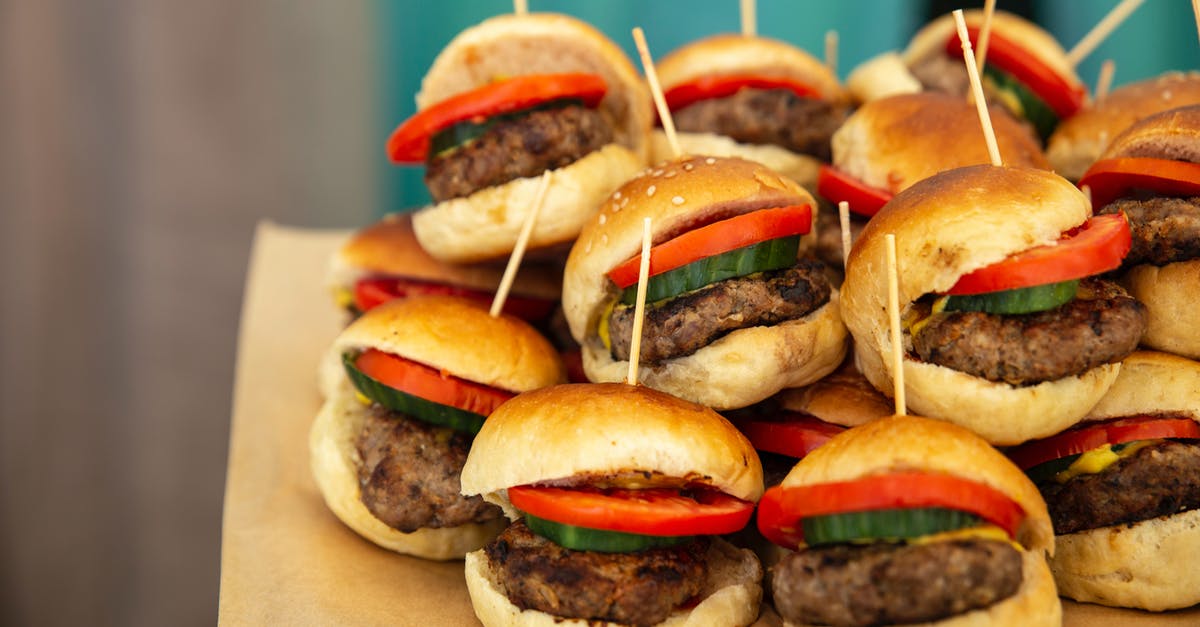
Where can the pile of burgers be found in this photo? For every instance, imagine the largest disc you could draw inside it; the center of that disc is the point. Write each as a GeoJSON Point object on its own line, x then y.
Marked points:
{"type": "Point", "coordinates": [1049, 337]}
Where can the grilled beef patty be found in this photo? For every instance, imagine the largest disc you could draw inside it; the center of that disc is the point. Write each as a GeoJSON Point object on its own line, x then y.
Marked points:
{"type": "Point", "coordinates": [1103, 324]}
{"type": "Point", "coordinates": [767, 116]}
{"type": "Point", "coordinates": [640, 588]}
{"type": "Point", "coordinates": [524, 146]}
{"type": "Point", "coordinates": [890, 584]}
{"type": "Point", "coordinates": [409, 475]}
{"type": "Point", "coordinates": [682, 325]}
{"type": "Point", "coordinates": [1165, 230]}
{"type": "Point", "coordinates": [1159, 480]}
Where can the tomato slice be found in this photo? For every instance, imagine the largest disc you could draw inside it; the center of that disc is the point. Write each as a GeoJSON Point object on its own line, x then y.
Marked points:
{"type": "Point", "coordinates": [655, 511]}
{"type": "Point", "coordinates": [372, 292]}
{"type": "Point", "coordinates": [430, 384]}
{"type": "Point", "coordinates": [1098, 246]}
{"type": "Point", "coordinates": [793, 434]}
{"type": "Point", "coordinates": [782, 509]}
{"type": "Point", "coordinates": [716, 238]}
{"type": "Point", "coordinates": [836, 186]}
{"type": "Point", "coordinates": [1087, 437]}
{"type": "Point", "coordinates": [1111, 179]}
{"type": "Point", "coordinates": [409, 143]}
{"type": "Point", "coordinates": [706, 87]}
{"type": "Point", "coordinates": [1060, 94]}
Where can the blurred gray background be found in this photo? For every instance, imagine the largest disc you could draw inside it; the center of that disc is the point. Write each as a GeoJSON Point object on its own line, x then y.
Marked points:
{"type": "Point", "coordinates": [140, 141]}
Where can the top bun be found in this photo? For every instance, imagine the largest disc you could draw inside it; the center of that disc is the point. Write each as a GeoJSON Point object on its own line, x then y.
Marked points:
{"type": "Point", "coordinates": [565, 433]}
{"type": "Point", "coordinates": [727, 54]}
{"type": "Point", "coordinates": [1151, 383]}
{"type": "Point", "coordinates": [542, 43]}
{"type": "Point", "coordinates": [912, 443]}
{"type": "Point", "coordinates": [1173, 134]}
{"type": "Point", "coordinates": [843, 397]}
{"type": "Point", "coordinates": [894, 142]}
{"type": "Point", "coordinates": [1080, 140]}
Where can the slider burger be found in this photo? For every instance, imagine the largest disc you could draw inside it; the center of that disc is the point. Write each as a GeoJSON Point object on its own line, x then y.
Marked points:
{"type": "Point", "coordinates": [389, 443]}
{"type": "Point", "coordinates": [505, 101]}
{"type": "Point", "coordinates": [751, 97]}
{"type": "Point", "coordinates": [909, 520]}
{"type": "Point", "coordinates": [615, 493]}
{"type": "Point", "coordinates": [1123, 489]}
{"type": "Point", "coordinates": [1151, 173]}
{"type": "Point", "coordinates": [733, 315]}
{"type": "Point", "coordinates": [1007, 330]}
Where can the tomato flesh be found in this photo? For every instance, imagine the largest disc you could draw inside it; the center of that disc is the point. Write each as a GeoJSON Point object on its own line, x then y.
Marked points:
{"type": "Point", "coordinates": [1110, 179]}
{"type": "Point", "coordinates": [1098, 246]}
{"type": "Point", "coordinates": [654, 511]}
{"type": "Point", "coordinates": [374, 291]}
{"type": "Point", "coordinates": [716, 238]}
{"type": "Point", "coordinates": [1054, 89]}
{"type": "Point", "coordinates": [409, 143]}
{"type": "Point", "coordinates": [1091, 436]}
{"type": "Point", "coordinates": [707, 87]}
{"type": "Point", "coordinates": [430, 384]}
{"type": "Point", "coordinates": [836, 186]}
{"type": "Point", "coordinates": [792, 434]}
{"type": "Point", "coordinates": [783, 508]}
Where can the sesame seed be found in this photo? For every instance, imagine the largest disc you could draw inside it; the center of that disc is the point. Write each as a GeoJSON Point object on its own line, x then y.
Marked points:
{"type": "Point", "coordinates": [671, 173]}
{"type": "Point", "coordinates": [657, 173]}
{"type": "Point", "coordinates": [650, 190]}
{"type": "Point", "coordinates": [603, 238]}
{"type": "Point", "coordinates": [603, 218]}
{"type": "Point", "coordinates": [678, 200]}
{"type": "Point", "coordinates": [587, 248]}
{"type": "Point", "coordinates": [689, 167]}
{"type": "Point", "coordinates": [617, 195]}
{"type": "Point", "coordinates": [710, 161]}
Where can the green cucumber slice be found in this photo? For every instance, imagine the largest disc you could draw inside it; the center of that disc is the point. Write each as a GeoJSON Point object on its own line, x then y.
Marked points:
{"type": "Point", "coordinates": [1033, 108]}
{"type": "Point", "coordinates": [466, 131]}
{"type": "Point", "coordinates": [1045, 471]}
{"type": "Point", "coordinates": [772, 254]}
{"type": "Point", "coordinates": [409, 405]}
{"type": "Point", "coordinates": [884, 524]}
{"type": "Point", "coordinates": [1017, 301]}
{"type": "Point", "coordinates": [600, 540]}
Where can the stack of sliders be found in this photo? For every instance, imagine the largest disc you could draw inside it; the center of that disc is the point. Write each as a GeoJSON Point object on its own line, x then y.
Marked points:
{"type": "Point", "coordinates": [387, 447]}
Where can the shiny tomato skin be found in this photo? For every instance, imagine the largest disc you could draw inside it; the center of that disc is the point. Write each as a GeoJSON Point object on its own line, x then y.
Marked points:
{"type": "Point", "coordinates": [1091, 436]}
{"type": "Point", "coordinates": [706, 87]}
{"type": "Point", "coordinates": [836, 186]}
{"type": "Point", "coordinates": [374, 291]}
{"type": "Point", "coordinates": [1110, 179]}
{"type": "Point", "coordinates": [654, 511]}
{"type": "Point", "coordinates": [792, 434]}
{"type": "Point", "coordinates": [430, 384]}
{"type": "Point", "coordinates": [1064, 98]}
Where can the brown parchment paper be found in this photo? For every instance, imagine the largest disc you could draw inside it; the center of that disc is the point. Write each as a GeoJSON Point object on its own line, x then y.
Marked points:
{"type": "Point", "coordinates": [285, 559]}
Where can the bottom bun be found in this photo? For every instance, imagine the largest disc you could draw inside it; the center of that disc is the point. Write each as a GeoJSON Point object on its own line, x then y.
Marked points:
{"type": "Point", "coordinates": [334, 460]}
{"type": "Point", "coordinates": [741, 368]}
{"type": "Point", "coordinates": [1172, 305]}
{"type": "Point", "coordinates": [731, 594]}
{"type": "Point", "coordinates": [1035, 603]}
{"type": "Point", "coordinates": [1131, 565]}
{"type": "Point", "coordinates": [798, 167]}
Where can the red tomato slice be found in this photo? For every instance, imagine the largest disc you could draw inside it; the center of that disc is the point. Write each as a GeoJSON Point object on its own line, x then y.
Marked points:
{"type": "Point", "coordinates": [792, 434]}
{"type": "Point", "coordinates": [782, 509]}
{"type": "Point", "coordinates": [1087, 437]}
{"type": "Point", "coordinates": [409, 143]}
{"type": "Point", "coordinates": [707, 87]}
{"type": "Point", "coordinates": [1064, 97]}
{"type": "Point", "coordinates": [430, 384]}
{"type": "Point", "coordinates": [1111, 179]}
{"type": "Point", "coordinates": [836, 186]}
{"type": "Point", "coordinates": [1098, 246]}
{"type": "Point", "coordinates": [716, 238]}
{"type": "Point", "coordinates": [372, 292]}
{"type": "Point", "coordinates": [654, 512]}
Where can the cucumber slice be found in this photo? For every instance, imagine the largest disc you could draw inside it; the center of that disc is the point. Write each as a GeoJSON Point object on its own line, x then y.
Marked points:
{"type": "Point", "coordinates": [1045, 471]}
{"type": "Point", "coordinates": [1017, 301]}
{"type": "Point", "coordinates": [409, 405]}
{"type": "Point", "coordinates": [1033, 108]}
{"type": "Point", "coordinates": [466, 131]}
{"type": "Point", "coordinates": [772, 254]}
{"type": "Point", "coordinates": [884, 524]}
{"type": "Point", "coordinates": [584, 539]}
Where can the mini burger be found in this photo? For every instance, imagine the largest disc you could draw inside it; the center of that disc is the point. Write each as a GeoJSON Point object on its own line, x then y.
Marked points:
{"type": "Point", "coordinates": [1007, 330]}
{"type": "Point", "coordinates": [733, 315]}
{"type": "Point", "coordinates": [1151, 174]}
{"type": "Point", "coordinates": [908, 520]}
{"type": "Point", "coordinates": [751, 97]}
{"type": "Point", "coordinates": [616, 493]}
{"type": "Point", "coordinates": [387, 447]}
{"type": "Point", "coordinates": [1123, 489]}
{"type": "Point", "coordinates": [505, 101]}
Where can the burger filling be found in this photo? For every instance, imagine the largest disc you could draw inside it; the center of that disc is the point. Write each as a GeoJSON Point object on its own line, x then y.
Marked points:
{"type": "Point", "coordinates": [470, 156]}
{"type": "Point", "coordinates": [1165, 230]}
{"type": "Point", "coordinates": [767, 116]}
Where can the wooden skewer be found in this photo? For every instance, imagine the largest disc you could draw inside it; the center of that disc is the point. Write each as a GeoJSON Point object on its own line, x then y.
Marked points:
{"type": "Point", "coordinates": [514, 261]}
{"type": "Point", "coordinates": [1087, 194]}
{"type": "Point", "coordinates": [1196, 12]}
{"type": "Point", "coordinates": [844, 219]}
{"type": "Point", "coordinates": [985, 119]}
{"type": "Point", "coordinates": [893, 308]}
{"type": "Point", "coordinates": [831, 50]}
{"type": "Point", "coordinates": [664, 114]}
{"type": "Point", "coordinates": [749, 18]}
{"type": "Point", "coordinates": [985, 34]}
{"type": "Point", "coordinates": [521, 7]}
{"type": "Point", "coordinates": [1101, 31]}
{"type": "Point", "coordinates": [639, 311]}
{"type": "Point", "coordinates": [1104, 83]}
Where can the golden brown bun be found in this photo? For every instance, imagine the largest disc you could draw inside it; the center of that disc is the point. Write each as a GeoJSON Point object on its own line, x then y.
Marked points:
{"type": "Point", "coordinates": [894, 142]}
{"type": "Point", "coordinates": [881, 76]}
{"type": "Point", "coordinates": [1172, 311]}
{"type": "Point", "coordinates": [603, 429]}
{"type": "Point", "coordinates": [796, 166]}
{"type": "Point", "coordinates": [731, 594]}
{"type": "Point", "coordinates": [334, 460]}
{"type": "Point", "coordinates": [843, 397]}
{"type": "Point", "coordinates": [725, 54]}
{"type": "Point", "coordinates": [899, 443]}
{"type": "Point", "coordinates": [1152, 382]}
{"type": "Point", "coordinates": [946, 226]}
{"type": "Point", "coordinates": [1148, 565]}
{"type": "Point", "coordinates": [743, 367]}
{"type": "Point", "coordinates": [1171, 134]}
{"type": "Point", "coordinates": [1079, 141]}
